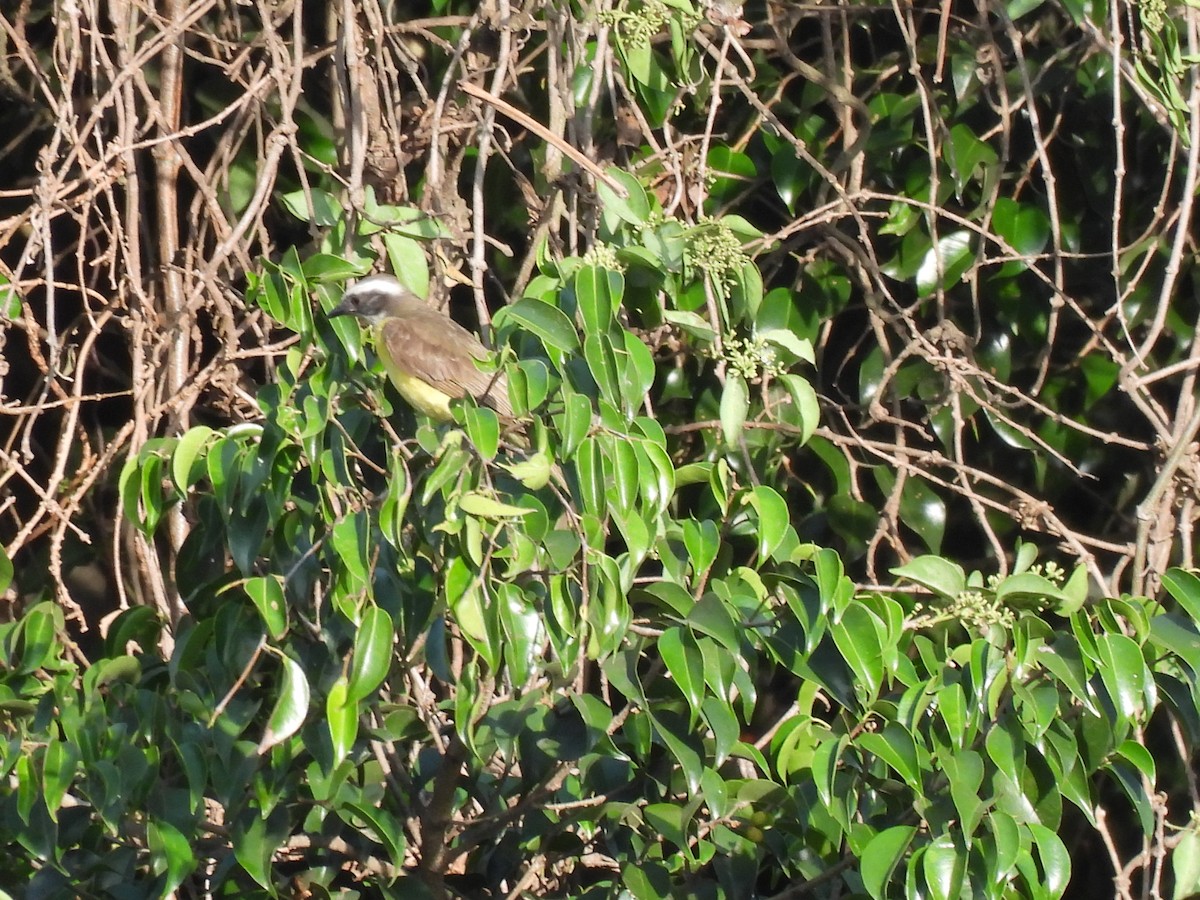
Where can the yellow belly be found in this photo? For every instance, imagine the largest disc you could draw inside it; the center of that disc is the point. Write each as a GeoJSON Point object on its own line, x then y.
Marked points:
{"type": "Point", "coordinates": [421, 396]}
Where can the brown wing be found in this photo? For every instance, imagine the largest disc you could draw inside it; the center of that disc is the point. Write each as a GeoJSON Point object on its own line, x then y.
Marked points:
{"type": "Point", "coordinates": [434, 348]}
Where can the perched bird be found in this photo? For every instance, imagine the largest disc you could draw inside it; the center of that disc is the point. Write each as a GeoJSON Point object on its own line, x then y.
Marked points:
{"type": "Point", "coordinates": [429, 357]}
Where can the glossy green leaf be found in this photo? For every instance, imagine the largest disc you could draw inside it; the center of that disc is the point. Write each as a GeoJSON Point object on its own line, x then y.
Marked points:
{"type": "Point", "coordinates": [1185, 865]}
{"type": "Point", "coordinates": [965, 771]}
{"type": "Point", "coordinates": [1026, 228]}
{"type": "Point", "coordinates": [59, 761]}
{"type": "Point", "coordinates": [1124, 673]}
{"type": "Point", "coordinates": [691, 323]}
{"type": "Point", "coordinates": [857, 636]}
{"type": "Point", "coordinates": [896, 747]}
{"type": "Point", "coordinates": [1184, 586]}
{"type": "Point", "coordinates": [590, 469]}
{"type": "Point", "coordinates": [773, 519]}
{"type": "Point", "coordinates": [598, 292]}
{"type": "Point", "coordinates": [291, 707]}
{"type": "Point", "coordinates": [944, 866]}
{"type": "Point", "coordinates": [483, 428]}
{"type": "Point", "coordinates": [1054, 858]}
{"type": "Point", "coordinates": [474, 503]}
{"type": "Point", "coordinates": [269, 600]}
{"type": "Point", "coordinates": [942, 265]}
{"type": "Point", "coordinates": [685, 664]}
{"type": "Point", "coordinates": [724, 725]}
{"type": "Point", "coordinates": [372, 653]}
{"type": "Point", "coordinates": [668, 820]}
{"type": "Point", "coordinates": [703, 541]}
{"type": "Point", "coordinates": [171, 853]}
{"type": "Point", "coordinates": [186, 464]}
{"type": "Point", "coordinates": [602, 363]}
{"type": "Point", "coordinates": [881, 856]}
{"type": "Point", "coordinates": [1177, 635]}
{"type": "Point", "coordinates": [941, 576]}
{"type": "Point", "coordinates": [624, 475]}
{"type": "Point", "coordinates": [676, 739]}
{"type": "Point", "coordinates": [350, 542]}
{"type": "Point", "coordinates": [735, 404]}
{"type": "Point", "coordinates": [254, 847]}
{"type": "Point", "coordinates": [637, 369]}
{"type": "Point", "coordinates": [341, 714]}
{"type": "Point", "coordinates": [549, 323]}
{"type": "Point", "coordinates": [6, 570]}
{"type": "Point", "coordinates": [807, 406]}
{"type": "Point", "coordinates": [634, 206]}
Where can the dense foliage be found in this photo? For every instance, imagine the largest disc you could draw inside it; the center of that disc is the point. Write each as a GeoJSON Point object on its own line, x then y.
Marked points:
{"type": "Point", "coordinates": [844, 543]}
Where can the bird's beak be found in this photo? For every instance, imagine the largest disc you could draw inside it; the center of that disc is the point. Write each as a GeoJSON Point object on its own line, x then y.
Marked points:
{"type": "Point", "coordinates": [342, 309]}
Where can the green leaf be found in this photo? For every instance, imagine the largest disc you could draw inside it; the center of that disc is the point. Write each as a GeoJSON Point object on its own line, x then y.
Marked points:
{"type": "Point", "coordinates": [290, 709]}
{"type": "Point", "coordinates": [598, 292]}
{"type": "Point", "coordinates": [634, 208]}
{"type": "Point", "coordinates": [1140, 758]}
{"type": "Point", "coordinates": [1055, 860]}
{"type": "Point", "coordinates": [725, 727]}
{"type": "Point", "coordinates": [735, 404]}
{"type": "Point", "coordinates": [703, 541]}
{"type": "Point", "coordinates": [549, 323]}
{"type": "Point", "coordinates": [38, 631]}
{"type": "Point", "coordinates": [473, 503]}
{"type": "Point", "coordinates": [326, 211]}
{"type": "Point", "coordinates": [685, 664]}
{"type": "Point", "coordinates": [589, 468]}
{"type": "Point", "coordinates": [602, 363]}
{"type": "Point", "coordinates": [624, 475]}
{"type": "Point", "coordinates": [953, 252]}
{"type": "Point", "coordinates": [6, 571]}
{"type": "Point", "coordinates": [880, 857]}
{"type": "Point", "coordinates": [267, 593]}
{"type": "Point", "coordinates": [692, 324]}
{"type": "Point", "coordinates": [969, 158]}
{"type": "Point", "coordinates": [773, 519]}
{"type": "Point", "coordinates": [342, 715]}
{"type": "Point", "coordinates": [637, 372]}
{"type": "Point", "coordinates": [372, 653]}
{"type": "Point", "coordinates": [799, 347]}
{"type": "Point", "coordinates": [678, 743]}
{"type": "Point", "coordinates": [1178, 636]}
{"type": "Point", "coordinates": [382, 827]}
{"type": "Point", "coordinates": [1026, 228]}
{"type": "Point", "coordinates": [170, 851]}
{"type": "Point", "coordinates": [896, 747]}
{"type": "Point", "coordinates": [965, 771]}
{"type": "Point", "coordinates": [186, 467]}
{"type": "Point", "coordinates": [1184, 586]}
{"type": "Point", "coordinates": [857, 637]}
{"type": "Point", "coordinates": [1123, 671]}
{"type": "Point", "coordinates": [807, 406]}
{"type": "Point", "coordinates": [1185, 862]}
{"type": "Point", "coordinates": [483, 428]}
{"type": "Point", "coordinates": [668, 820]}
{"type": "Point", "coordinates": [576, 423]}
{"type": "Point", "coordinates": [350, 541]}
{"type": "Point", "coordinates": [58, 772]}
{"type": "Point", "coordinates": [941, 576]}
{"type": "Point", "coordinates": [407, 258]}
{"type": "Point", "coordinates": [945, 868]}
{"type": "Point", "coordinates": [10, 300]}
{"type": "Point", "coordinates": [254, 846]}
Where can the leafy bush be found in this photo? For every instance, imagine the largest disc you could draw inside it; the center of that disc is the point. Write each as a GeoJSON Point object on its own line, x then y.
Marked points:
{"type": "Point", "coordinates": [877, 308]}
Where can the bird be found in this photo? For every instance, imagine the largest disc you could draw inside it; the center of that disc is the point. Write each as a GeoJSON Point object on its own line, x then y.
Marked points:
{"type": "Point", "coordinates": [429, 357]}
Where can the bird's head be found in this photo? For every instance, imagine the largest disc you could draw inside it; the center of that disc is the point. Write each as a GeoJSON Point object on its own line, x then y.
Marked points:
{"type": "Point", "coordinates": [372, 299]}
